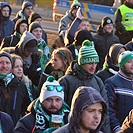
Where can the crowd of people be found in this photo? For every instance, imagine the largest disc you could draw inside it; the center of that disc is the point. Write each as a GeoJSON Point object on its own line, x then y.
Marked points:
{"type": "Point", "coordinates": [83, 83]}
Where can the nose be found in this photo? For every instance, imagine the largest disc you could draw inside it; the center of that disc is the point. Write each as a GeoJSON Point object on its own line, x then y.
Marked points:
{"type": "Point", "coordinates": [53, 103]}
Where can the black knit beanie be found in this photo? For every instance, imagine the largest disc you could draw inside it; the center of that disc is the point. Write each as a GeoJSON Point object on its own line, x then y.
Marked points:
{"type": "Point", "coordinates": [3, 53]}
{"type": "Point", "coordinates": [114, 50]}
{"type": "Point", "coordinates": [105, 21]}
{"type": "Point", "coordinates": [33, 26]}
{"type": "Point", "coordinates": [26, 4]}
{"type": "Point", "coordinates": [82, 35]}
{"type": "Point", "coordinates": [33, 17]}
{"type": "Point", "coordinates": [18, 23]}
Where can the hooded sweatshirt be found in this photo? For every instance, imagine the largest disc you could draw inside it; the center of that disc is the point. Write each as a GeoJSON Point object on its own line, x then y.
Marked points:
{"type": "Point", "coordinates": [6, 25]}
{"type": "Point", "coordinates": [83, 97]}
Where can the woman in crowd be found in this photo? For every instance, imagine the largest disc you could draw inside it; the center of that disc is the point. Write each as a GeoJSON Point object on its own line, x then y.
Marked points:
{"type": "Point", "coordinates": [58, 64]}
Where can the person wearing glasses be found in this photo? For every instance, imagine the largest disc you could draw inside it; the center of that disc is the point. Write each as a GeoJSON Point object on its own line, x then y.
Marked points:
{"type": "Point", "coordinates": [47, 112]}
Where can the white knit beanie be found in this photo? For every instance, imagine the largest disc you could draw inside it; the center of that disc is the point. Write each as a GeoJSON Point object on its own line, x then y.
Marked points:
{"type": "Point", "coordinates": [46, 93]}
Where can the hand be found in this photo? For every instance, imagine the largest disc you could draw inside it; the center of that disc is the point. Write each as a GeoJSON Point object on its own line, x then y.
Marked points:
{"type": "Point", "coordinates": [78, 14]}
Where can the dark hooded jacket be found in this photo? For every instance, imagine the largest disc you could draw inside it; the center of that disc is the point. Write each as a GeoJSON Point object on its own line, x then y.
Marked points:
{"type": "Point", "coordinates": [83, 97]}
{"type": "Point", "coordinates": [13, 40]}
{"type": "Point", "coordinates": [14, 98]}
{"type": "Point", "coordinates": [31, 66]}
{"type": "Point", "coordinates": [6, 25]}
{"type": "Point", "coordinates": [75, 77]}
{"type": "Point", "coordinates": [103, 43]}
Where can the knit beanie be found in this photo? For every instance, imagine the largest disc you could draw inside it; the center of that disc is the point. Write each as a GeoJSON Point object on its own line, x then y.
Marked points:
{"type": "Point", "coordinates": [46, 93]}
{"type": "Point", "coordinates": [124, 57]}
{"type": "Point", "coordinates": [87, 53]}
{"type": "Point", "coordinates": [3, 53]}
{"type": "Point", "coordinates": [18, 23]}
{"type": "Point", "coordinates": [105, 21]}
{"type": "Point", "coordinates": [33, 26]}
{"type": "Point", "coordinates": [114, 50]}
{"type": "Point", "coordinates": [33, 17]}
{"type": "Point", "coordinates": [75, 4]}
{"type": "Point", "coordinates": [82, 35]}
{"type": "Point", "coordinates": [26, 4]}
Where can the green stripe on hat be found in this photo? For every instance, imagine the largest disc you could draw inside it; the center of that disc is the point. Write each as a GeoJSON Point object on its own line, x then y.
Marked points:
{"type": "Point", "coordinates": [87, 53]}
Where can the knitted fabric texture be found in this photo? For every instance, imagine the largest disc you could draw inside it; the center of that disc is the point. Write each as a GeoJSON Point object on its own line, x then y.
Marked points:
{"type": "Point", "coordinates": [124, 57]}
{"type": "Point", "coordinates": [105, 21]}
{"type": "Point", "coordinates": [87, 53]}
{"type": "Point", "coordinates": [45, 93]}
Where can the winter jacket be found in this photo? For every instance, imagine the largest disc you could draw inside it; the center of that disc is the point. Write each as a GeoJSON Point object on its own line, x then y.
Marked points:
{"type": "Point", "coordinates": [103, 43]}
{"type": "Point", "coordinates": [6, 25]}
{"type": "Point", "coordinates": [127, 126]}
{"type": "Point", "coordinates": [27, 123]}
{"type": "Point", "coordinates": [14, 98]}
{"type": "Point", "coordinates": [83, 98]}
{"type": "Point", "coordinates": [119, 91]}
{"type": "Point", "coordinates": [5, 120]}
{"type": "Point", "coordinates": [64, 22]}
{"type": "Point", "coordinates": [33, 70]}
{"type": "Point", "coordinates": [124, 35]}
{"type": "Point", "coordinates": [10, 41]}
{"type": "Point", "coordinates": [75, 77]}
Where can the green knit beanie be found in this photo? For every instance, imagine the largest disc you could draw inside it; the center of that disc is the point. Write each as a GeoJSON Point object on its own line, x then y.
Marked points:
{"type": "Point", "coordinates": [124, 57]}
{"type": "Point", "coordinates": [87, 53]}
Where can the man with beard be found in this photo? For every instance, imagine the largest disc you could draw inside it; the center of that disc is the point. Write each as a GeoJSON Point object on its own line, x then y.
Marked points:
{"type": "Point", "coordinates": [120, 91]}
{"type": "Point", "coordinates": [48, 111]}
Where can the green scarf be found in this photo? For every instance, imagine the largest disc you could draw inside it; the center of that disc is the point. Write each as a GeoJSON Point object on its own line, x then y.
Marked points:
{"type": "Point", "coordinates": [42, 117]}
{"type": "Point", "coordinates": [7, 78]}
{"type": "Point", "coordinates": [22, 15]}
{"type": "Point", "coordinates": [105, 66]}
{"type": "Point", "coordinates": [17, 34]}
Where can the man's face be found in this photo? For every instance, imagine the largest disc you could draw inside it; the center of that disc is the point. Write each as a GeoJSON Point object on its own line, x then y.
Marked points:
{"type": "Point", "coordinates": [91, 117]}
{"type": "Point", "coordinates": [90, 68]}
{"type": "Point", "coordinates": [128, 68]}
{"type": "Point", "coordinates": [53, 104]}
{"type": "Point", "coordinates": [5, 11]}
{"type": "Point", "coordinates": [39, 20]}
{"type": "Point", "coordinates": [130, 1]}
{"type": "Point", "coordinates": [23, 27]}
{"type": "Point", "coordinates": [5, 65]}
{"type": "Point", "coordinates": [27, 11]}
{"type": "Point", "coordinates": [37, 32]}
{"type": "Point", "coordinates": [74, 11]}
{"type": "Point", "coordinates": [84, 25]}
{"type": "Point", "coordinates": [108, 28]}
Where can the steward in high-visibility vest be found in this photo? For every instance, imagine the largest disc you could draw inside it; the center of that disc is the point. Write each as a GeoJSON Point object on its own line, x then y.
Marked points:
{"type": "Point", "coordinates": [124, 22]}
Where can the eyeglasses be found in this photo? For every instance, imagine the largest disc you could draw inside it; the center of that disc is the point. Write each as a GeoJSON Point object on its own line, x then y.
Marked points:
{"type": "Point", "coordinates": [52, 87]}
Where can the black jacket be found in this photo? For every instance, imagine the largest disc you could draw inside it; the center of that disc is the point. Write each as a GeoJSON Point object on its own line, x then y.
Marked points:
{"type": "Point", "coordinates": [14, 98]}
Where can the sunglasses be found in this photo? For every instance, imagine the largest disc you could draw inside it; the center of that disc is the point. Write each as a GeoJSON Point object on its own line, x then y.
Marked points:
{"type": "Point", "coordinates": [52, 87]}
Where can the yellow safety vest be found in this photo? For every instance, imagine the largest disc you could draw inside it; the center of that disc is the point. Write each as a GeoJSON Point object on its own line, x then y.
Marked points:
{"type": "Point", "coordinates": [127, 17]}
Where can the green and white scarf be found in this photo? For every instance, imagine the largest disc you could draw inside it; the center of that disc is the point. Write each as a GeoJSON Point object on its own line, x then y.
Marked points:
{"type": "Point", "coordinates": [7, 78]}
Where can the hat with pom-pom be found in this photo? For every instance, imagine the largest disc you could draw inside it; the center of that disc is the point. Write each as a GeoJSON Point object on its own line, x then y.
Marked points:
{"type": "Point", "coordinates": [75, 4]}
{"type": "Point", "coordinates": [87, 53]}
{"type": "Point", "coordinates": [51, 88]}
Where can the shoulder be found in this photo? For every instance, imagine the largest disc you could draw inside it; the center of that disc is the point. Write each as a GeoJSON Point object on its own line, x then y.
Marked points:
{"type": "Point", "coordinates": [63, 129]}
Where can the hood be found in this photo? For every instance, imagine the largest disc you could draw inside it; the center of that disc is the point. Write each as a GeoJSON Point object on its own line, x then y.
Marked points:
{"type": "Point", "coordinates": [3, 4]}
{"type": "Point", "coordinates": [76, 70]}
{"type": "Point", "coordinates": [84, 97]}
{"type": "Point", "coordinates": [26, 37]}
